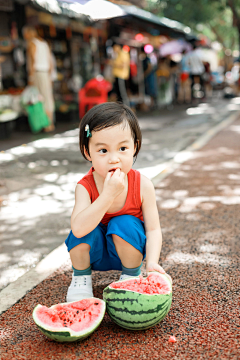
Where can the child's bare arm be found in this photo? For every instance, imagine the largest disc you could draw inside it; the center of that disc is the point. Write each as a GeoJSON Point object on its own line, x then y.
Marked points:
{"type": "Point", "coordinates": [152, 227]}
{"type": "Point", "coordinates": [151, 222]}
{"type": "Point", "coordinates": [86, 216]}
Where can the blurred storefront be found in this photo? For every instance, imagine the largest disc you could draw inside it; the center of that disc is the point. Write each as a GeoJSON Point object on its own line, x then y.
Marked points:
{"type": "Point", "coordinates": [74, 45]}
{"type": "Point", "coordinates": [78, 33]}
{"type": "Point", "coordinates": [74, 41]}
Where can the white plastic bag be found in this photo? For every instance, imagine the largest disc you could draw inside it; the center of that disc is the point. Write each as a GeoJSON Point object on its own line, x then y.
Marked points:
{"type": "Point", "coordinates": [30, 96]}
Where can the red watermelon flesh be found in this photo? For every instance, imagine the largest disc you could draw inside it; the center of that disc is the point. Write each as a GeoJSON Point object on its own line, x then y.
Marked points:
{"type": "Point", "coordinates": [153, 284]}
{"type": "Point", "coordinates": [76, 316]}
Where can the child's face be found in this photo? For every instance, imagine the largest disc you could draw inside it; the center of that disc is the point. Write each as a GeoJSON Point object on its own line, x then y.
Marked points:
{"type": "Point", "coordinates": [111, 148]}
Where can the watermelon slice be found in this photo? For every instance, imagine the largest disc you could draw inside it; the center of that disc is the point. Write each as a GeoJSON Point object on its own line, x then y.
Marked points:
{"type": "Point", "coordinates": [139, 303]}
{"type": "Point", "coordinates": [70, 321]}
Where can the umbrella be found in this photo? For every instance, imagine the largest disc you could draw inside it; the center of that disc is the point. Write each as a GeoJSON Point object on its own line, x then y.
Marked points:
{"type": "Point", "coordinates": [174, 47]}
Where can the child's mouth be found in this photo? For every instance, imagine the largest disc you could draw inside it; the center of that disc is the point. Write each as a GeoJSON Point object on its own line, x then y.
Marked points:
{"type": "Point", "coordinates": [113, 170]}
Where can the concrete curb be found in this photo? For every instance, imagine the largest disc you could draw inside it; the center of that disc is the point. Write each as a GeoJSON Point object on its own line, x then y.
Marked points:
{"type": "Point", "coordinates": [19, 288]}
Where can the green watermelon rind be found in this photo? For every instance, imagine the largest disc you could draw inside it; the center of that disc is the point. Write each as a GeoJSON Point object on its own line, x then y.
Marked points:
{"type": "Point", "coordinates": [62, 334]}
{"type": "Point", "coordinates": [125, 307]}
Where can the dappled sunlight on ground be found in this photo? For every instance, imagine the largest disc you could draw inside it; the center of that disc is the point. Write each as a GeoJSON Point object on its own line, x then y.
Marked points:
{"type": "Point", "coordinates": [202, 108]}
{"type": "Point", "coordinates": [186, 258]}
{"type": "Point", "coordinates": [5, 334]}
{"type": "Point", "coordinates": [30, 208]}
{"type": "Point", "coordinates": [189, 204]}
{"type": "Point", "coordinates": [54, 143]}
{"type": "Point", "coordinates": [209, 250]}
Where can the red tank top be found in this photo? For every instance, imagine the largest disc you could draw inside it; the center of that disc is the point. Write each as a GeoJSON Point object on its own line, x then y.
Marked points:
{"type": "Point", "coordinates": [133, 204]}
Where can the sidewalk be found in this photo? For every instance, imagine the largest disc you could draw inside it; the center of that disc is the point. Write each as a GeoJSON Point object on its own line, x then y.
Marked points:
{"type": "Point", "coordinates": [199, 209]}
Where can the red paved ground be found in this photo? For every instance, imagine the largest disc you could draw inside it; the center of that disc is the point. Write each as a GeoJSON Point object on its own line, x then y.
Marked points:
{"type": "Point", "coordinates": [200, 226]}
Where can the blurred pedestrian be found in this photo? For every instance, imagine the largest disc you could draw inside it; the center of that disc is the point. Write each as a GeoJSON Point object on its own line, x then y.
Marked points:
{"type": "Point", "coordinates": [184, 90]}
{"type": "Point", "coordinates": [207, 77]}
{"type": "Point", "coordinates": [150, 78]}
{"type": "Point", "coordinates": [196, 70]}
{"type": "Point", "coordinates": [40, 70]}
{"type": "Point", "coordinates": [165, 88]}
{"type": "Point", "coordinates": [121, 71]}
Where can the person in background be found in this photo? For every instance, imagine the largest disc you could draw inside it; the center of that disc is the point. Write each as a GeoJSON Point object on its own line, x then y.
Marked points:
{"type": "Point", "coordinates": [207, 77]}
{"type": "Point", "coordinates": [184, 90]}
{"type": "Point", "coordinates": [121, 69]}
{"type": "Point", "coordinates": [40, 70]}
{"type": "Point", "coordinates": [150, 78]}
{"type": "Point", "coordinates": [165, 88]}
{"type": "Point", "coordinates": [196, 69]}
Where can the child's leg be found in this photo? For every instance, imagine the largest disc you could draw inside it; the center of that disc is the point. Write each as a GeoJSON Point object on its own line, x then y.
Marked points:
{"type": "Point", "coordinates": [79, 249]}
{"type": "Point", "coordinates": [80, 256]}
{"type": "Point", "coordinates": [126, 240]}
{"type": "Point", "coordinates": [130, 256]}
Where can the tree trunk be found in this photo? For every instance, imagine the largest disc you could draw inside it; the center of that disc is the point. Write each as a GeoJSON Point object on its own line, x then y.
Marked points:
{"type": "Point", "coordinates": [236, 19]}
{"type": "Point", "coordinates": [239, 41]}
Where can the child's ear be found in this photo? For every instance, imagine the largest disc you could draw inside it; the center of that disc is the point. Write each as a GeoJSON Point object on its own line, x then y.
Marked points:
{"type": "Point", "coordinates": [87, 155]}
{"type": "Point", "coordinates": [135, 146]}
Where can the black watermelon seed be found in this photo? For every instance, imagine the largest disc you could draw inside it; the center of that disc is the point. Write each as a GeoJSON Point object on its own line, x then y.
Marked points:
{"type": "Point", "coordinates": [95, 303]}
{"type": "Point", "coordinates": [77, 312]}
{"type": "Point", "coordinates": [84, 309]}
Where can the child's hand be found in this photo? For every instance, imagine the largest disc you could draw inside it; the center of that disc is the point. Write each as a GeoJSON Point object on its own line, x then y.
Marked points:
{"type": "Point", "coordinates": [114, 183]}
{"type": "Point", "coordinates": [157, 268]}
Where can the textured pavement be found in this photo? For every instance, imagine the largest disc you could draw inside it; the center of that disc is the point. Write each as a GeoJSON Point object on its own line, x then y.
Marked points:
{"type": "Point", "coordinates": [199, 209]}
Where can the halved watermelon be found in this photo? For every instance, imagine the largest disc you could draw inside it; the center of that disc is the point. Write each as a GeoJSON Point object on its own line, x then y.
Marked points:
{"type": "Point", "coordinates": [70, 321]}
{"type": "Point", "coordinates": [139, 303]}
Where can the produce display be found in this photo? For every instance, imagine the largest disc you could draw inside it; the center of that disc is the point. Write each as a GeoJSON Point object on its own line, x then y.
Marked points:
{"type": "Point", "coordinates": [139, 303]}
{"type": "Point", "coordinates": [70, 321]}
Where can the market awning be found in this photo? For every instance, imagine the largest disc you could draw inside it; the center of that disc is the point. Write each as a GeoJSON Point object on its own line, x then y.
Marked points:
{"type": "Point", "coordinates": [103, 9]}
{"type": "Point", "coordinates": [93, 9]}
{"type": "Point", "coordinates": [157, 20]}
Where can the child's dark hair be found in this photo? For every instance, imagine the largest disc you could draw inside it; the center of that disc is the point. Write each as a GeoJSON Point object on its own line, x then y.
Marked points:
{"type": "Point", "coordinates": [106, 115]}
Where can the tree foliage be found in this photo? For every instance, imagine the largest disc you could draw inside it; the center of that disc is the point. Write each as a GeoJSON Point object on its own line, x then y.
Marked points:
{"type": "Point", "coordinates": [218, 19]}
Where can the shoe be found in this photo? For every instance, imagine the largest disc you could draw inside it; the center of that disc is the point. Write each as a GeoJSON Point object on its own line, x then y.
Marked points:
{"type": "Point", "coordinates": [125, 276]}
{"type": "Point", "coordinates": [80, 288]}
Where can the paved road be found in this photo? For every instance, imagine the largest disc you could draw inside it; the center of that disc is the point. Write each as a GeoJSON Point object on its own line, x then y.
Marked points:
{"type": "Point", "coordinates": [39, 178]}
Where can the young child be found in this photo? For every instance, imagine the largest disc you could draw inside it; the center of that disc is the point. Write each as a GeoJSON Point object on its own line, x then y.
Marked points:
{"type": "Point", "coordinates": [115, 222]}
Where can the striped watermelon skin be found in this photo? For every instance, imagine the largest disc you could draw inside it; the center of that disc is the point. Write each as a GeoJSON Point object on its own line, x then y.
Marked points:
{"type": "Point", "coordinates": [66, 334]}
{"type": "Point", "coordinates": [134, 311]}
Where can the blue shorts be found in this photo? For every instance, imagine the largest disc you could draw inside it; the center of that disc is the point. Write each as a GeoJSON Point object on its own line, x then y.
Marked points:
{"type": "Point", "coordinates": [103, 255]}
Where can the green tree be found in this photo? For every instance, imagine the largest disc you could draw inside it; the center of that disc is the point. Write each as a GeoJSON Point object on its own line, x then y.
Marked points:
{"type": "Point", "coordinates": [219, 19]}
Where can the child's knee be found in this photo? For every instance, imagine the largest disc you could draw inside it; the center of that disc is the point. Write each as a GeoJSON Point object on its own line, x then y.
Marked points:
{"type": "Point", "coordinates": [118, 241]}
{"type": "Point", "coordinates": [81, 248]}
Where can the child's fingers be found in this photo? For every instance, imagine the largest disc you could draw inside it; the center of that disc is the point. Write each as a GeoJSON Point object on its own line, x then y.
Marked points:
{"type": "Point", "coordinates": [160, 270]}
{"type": "Point", "coordinates": [109, 174]}
{"type": "Point", "coordinates": [115, 173]}
{"type": "Point", "coordinates": [157, 268]}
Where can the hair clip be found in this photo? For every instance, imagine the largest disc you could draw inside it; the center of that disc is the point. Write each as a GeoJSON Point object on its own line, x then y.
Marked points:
{"type": "Point", "coordinates": [88, 131]}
